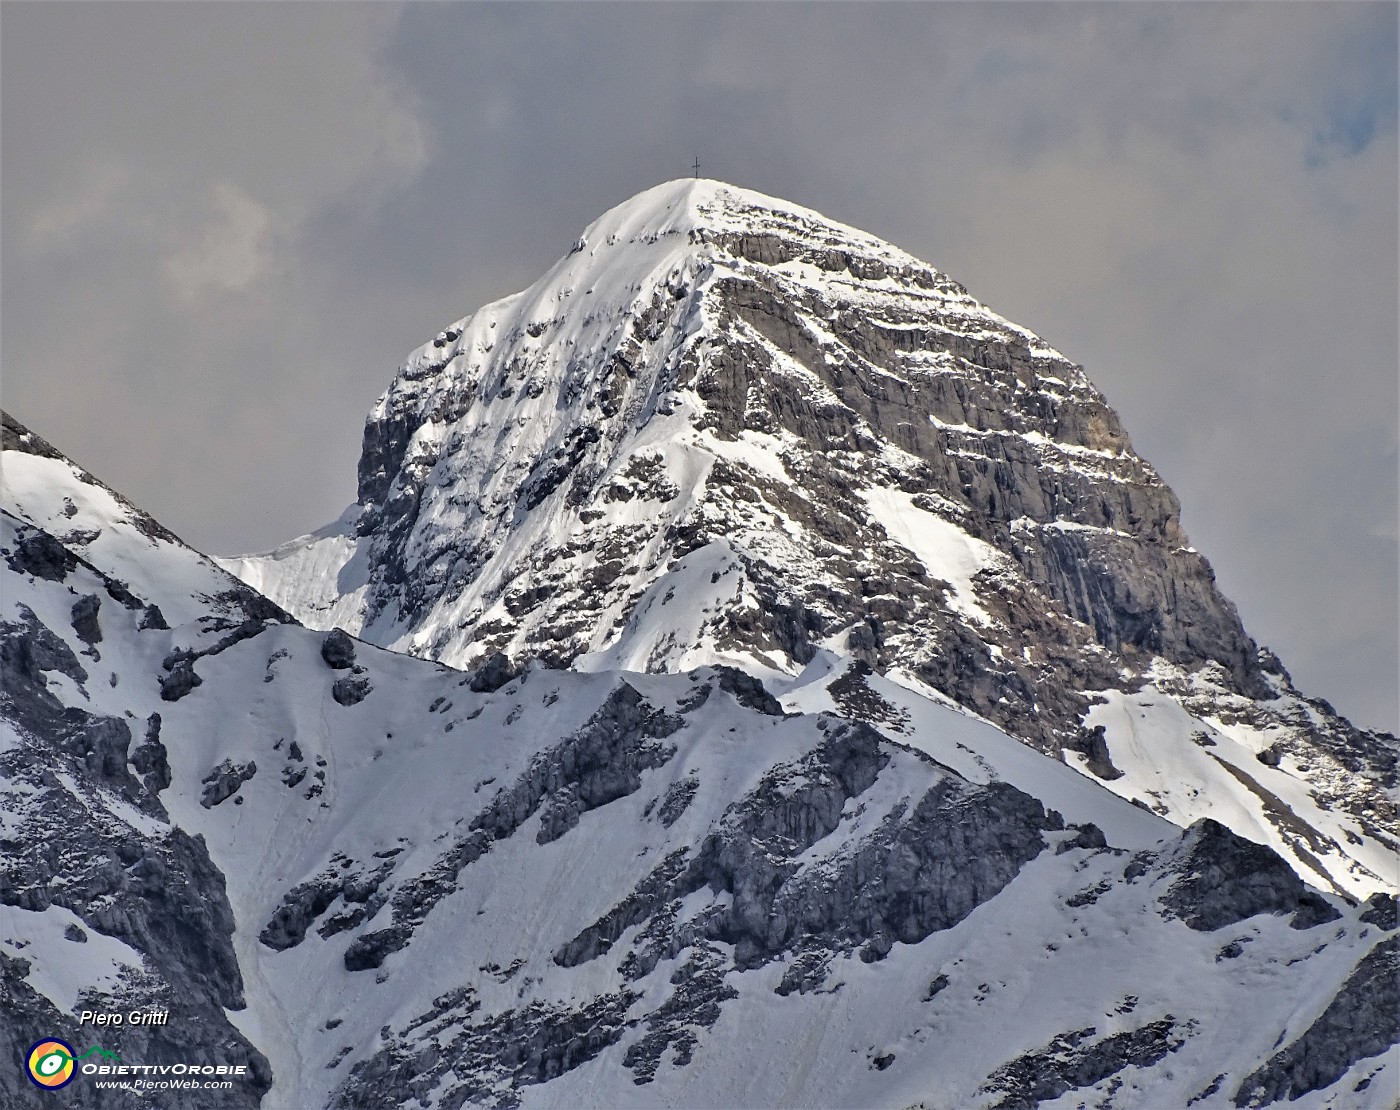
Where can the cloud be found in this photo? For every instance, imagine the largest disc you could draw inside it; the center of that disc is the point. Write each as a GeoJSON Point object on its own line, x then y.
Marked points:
{"type": "Point", "coordinates": [163, 296]}
{"type": "Point", "coordinates": [60, 222]}
{"type": "Point", "coordinates": [231, 251]}
{"type": "Point", "coordinates": [289, 104]}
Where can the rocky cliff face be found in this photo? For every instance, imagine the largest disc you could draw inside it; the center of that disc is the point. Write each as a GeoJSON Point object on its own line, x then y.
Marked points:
{"type": "Point", "coordinates": [808, 368]}
{"type": "Point", "coordinates": [725, 429]}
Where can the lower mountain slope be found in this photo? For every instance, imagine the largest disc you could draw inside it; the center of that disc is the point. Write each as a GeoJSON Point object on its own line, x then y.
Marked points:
{"type": "Point", "coordinates": [379, 881]}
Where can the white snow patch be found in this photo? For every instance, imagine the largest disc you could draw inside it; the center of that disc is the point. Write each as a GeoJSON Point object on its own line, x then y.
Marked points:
{"type": "Point", "coordinates": [61, 969]}
{"type": "Point", "coordinates": [946, 551]}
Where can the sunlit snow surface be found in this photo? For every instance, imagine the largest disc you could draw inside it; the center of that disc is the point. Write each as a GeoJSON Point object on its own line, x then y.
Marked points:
{"type": "Point", "coordinates": [1188, 768]}
{"type": "Point", "coordinates": [947, 552]}
{"type": "Point", "coordinates": [94, 522]}
{"type": "Point", "coordinates": [60, 969]}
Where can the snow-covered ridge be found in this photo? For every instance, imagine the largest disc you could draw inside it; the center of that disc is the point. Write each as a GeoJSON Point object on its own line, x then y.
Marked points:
{"type": "Point", "coordinates": [98, 524]}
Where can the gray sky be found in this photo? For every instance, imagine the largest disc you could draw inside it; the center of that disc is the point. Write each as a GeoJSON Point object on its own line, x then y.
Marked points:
{"type": "Point", "coordinates": [224, 225]}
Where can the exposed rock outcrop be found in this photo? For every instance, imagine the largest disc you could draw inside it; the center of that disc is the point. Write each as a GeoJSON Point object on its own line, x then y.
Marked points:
{"type": "Point", "coordinates": [1225, 878]}
{"type": "Point", "coordinates": [1362, 1021]}
{"type": "Point", "coordinates": [338, 650]}
{"type": "Point", "coordinates": [598, 764]}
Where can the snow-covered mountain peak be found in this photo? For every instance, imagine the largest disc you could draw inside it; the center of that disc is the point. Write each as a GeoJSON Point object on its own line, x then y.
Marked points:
{"type": "Point", "coordinates": [724, 429]}
{"type": "Point", "coordinates": [675, 240]}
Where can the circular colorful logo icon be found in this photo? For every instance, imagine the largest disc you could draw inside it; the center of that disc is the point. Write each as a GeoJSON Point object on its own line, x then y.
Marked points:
{"type": "Point", "coordinates": [51, 1063]}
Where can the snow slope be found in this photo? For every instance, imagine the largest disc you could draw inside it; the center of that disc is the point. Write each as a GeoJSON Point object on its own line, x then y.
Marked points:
{"type": "Point", "coordinates": [561, 888]}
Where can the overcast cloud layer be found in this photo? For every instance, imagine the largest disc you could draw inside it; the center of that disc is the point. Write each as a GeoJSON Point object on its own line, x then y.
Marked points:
{"type": "Point", "coordinates": [224, 225]}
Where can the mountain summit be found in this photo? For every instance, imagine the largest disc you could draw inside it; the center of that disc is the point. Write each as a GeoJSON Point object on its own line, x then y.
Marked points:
{"type": "Point", "coordinates": [725, 429]}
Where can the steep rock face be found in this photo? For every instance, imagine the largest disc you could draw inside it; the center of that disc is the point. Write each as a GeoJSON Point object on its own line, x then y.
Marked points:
{"type": "Point", "coordinates": [725, 429]}
{"type": "Point", "coordinates": [103, 892]}
{"type": "Point", "coordinates": [714, 364]}
{"type": "Point", "coordinates": [807, 372]}
{"type": "Point", "coordinates": [930, 862]}
{"type": "Point", "coordinates": [1360, 1021]}
{"type": "Point", "coordinates": [1225, 879]}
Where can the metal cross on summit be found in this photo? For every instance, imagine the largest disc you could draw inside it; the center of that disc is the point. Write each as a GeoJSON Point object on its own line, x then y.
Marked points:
{"type": "Point", "coordinates": [697, 169]}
